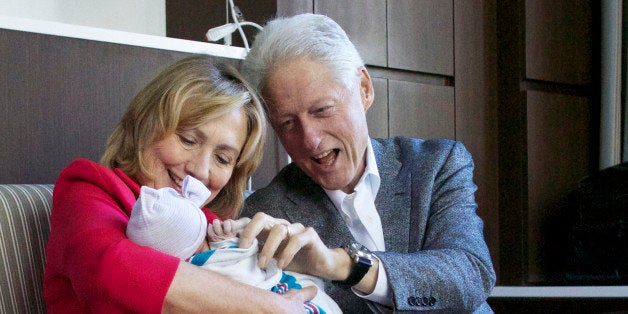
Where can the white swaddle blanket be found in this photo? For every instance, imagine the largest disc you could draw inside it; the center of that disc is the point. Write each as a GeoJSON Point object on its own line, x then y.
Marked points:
{"type": "Point", "coordinates": [241, 264]}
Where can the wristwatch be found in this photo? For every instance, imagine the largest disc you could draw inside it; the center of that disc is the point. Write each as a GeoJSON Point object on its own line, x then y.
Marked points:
{"type": "Point", "coordinates": [362, 261]}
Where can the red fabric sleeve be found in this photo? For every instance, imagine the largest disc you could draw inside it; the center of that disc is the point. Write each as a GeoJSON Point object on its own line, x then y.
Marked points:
{"type": "Point", "coordinates": [210, 215]}
{"type": "Point", "coordinates": [91, 265]}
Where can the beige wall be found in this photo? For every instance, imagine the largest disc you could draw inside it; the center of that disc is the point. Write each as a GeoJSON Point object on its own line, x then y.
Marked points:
{"type": "Point", "coordinates": [136, 16]}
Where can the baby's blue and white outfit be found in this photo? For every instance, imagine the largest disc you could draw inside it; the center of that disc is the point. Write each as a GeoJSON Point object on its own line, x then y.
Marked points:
{"type": "Point", "coordinates": [241, 264]}
{"type": "Point", "coordinates": [174, 224]}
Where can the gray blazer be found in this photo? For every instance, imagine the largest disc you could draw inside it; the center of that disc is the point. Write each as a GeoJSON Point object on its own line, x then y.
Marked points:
{"type": "Point", "coordinates": [436, 257]}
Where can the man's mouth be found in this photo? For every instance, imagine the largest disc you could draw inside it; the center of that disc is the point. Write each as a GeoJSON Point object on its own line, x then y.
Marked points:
{"type": "Point", "coordinates": [327, 158]}
{"type": "Point", "coordinates": [178, 181]}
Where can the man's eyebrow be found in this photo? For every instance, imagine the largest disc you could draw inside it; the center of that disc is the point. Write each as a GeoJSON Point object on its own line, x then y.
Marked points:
{"type": "Point", "coordinates": [277, 116]}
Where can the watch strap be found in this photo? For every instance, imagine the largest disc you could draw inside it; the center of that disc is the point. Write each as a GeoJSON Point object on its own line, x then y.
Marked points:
{"type": "Point", "coordinates": [361, 266]}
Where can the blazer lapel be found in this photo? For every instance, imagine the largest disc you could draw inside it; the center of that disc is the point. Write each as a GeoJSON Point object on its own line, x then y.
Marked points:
{"type": "Point", "coordinates": [313, 208]}
{"type": "Point", "coordinates": [393, 199]}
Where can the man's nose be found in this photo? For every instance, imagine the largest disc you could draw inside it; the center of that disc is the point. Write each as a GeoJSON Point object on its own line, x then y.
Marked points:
{"type": "Point", "coordinates": [311, 134]}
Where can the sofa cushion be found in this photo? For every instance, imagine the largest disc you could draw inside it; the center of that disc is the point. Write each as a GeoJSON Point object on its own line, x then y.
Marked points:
{"type": "Point", "coordinates": [24, 230]}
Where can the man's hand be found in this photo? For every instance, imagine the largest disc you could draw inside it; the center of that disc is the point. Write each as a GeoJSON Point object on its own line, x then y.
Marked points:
{"type": "Point", "coordinates": [295, 247]}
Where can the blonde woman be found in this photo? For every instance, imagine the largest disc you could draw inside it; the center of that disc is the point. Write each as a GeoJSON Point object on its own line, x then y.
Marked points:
{"type": "Point", "coordinates": [195, 118]}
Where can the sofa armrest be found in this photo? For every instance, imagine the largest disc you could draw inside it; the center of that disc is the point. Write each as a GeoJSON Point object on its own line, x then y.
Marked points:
{"type": "Point", "coordinates": [24, 230]}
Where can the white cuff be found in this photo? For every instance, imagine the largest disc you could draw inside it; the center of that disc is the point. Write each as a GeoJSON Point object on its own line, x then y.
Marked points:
{"type": "Point", "coordinates": [381, 293]}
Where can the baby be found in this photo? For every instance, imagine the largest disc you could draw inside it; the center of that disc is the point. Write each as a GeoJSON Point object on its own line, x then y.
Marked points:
{"type": "Point", "coordinates": [174, 224]}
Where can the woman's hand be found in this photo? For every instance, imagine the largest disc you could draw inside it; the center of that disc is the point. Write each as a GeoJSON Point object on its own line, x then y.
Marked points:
{"type": "Point", "coordinates": [295, 247]}
{"type": "Point", "coordinates": [188, 293]}
{"type": "Point", "coordinates": [295, 299]}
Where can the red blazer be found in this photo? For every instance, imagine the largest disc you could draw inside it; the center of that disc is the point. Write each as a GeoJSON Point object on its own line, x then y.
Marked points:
{"type": "Point", "coordinates": [91, 266]}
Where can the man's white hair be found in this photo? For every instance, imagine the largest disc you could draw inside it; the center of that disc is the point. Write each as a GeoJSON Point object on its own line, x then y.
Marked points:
{"type": "Point", "coordinates": [314, 36]}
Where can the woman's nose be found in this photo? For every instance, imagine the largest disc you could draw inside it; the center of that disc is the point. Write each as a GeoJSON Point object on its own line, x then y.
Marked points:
{"type": "Point", "coordinates": [199, 167]}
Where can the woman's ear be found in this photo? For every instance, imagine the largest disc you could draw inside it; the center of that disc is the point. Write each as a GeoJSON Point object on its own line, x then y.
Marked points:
{"type": "Point", "coordinates": [367, 92]}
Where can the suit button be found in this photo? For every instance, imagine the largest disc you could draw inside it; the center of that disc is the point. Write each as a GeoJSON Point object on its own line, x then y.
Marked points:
{"type": "Point", "coordinates": [412, 301]}
{"type": "Point", "coordinates": [424, 301]}
{"type": "Point", "coordinates": [432, 301]}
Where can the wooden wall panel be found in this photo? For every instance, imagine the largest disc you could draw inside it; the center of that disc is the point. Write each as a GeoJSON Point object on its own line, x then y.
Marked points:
{"type": "Point", "coordinates": [61, 97]}
{"type": "Point", "coordinates": [558, 158]}
{"type": "Point", "coordinates": [559, 41]}
{"type": "Point", "coordinates": [293, 7]}
{"type": "Point", "coordinates": [475, 72]}
{"type": "Point", "coordinates": [421, 36]}
{"type": "Point", "coordinates": [419, 110]}
{"type": "Point", "coordinates": [275, 157]}
{"type": "Point", "coordinates": [377, 115]}
{"type": "Point", "coordinates": [191, 19]}
{"type": "Point", "coordinates": [368, 32]}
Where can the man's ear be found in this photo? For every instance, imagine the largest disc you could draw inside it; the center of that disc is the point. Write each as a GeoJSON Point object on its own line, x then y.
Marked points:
{"type": "Point", "coordinates": [367, 93]}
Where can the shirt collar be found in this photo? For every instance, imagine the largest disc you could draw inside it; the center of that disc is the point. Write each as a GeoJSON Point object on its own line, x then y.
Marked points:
{"type": "Point", "coordinates": [370, 176]}
{"type": "Point", "coordinates": [371, 173]}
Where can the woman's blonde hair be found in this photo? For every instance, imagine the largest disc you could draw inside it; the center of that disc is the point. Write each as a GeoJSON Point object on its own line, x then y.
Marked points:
{"type": "Point", "coordinates": [184, 96]}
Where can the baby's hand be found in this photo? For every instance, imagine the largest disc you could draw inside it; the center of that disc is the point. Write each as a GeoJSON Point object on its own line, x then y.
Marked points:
{"type": "Point", "coordinates": [219, 231]}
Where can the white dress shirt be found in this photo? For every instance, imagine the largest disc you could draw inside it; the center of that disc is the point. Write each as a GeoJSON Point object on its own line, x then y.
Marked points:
{"type": "Point", "coordinates": [359, 213]}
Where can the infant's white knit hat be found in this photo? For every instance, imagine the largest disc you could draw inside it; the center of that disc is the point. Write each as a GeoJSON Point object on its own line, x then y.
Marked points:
{"type": "Point", "coordinates": [168, 221]}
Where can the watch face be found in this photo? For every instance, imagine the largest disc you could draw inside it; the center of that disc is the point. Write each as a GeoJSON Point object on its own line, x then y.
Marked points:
{"type": "Point", "coordinates": [358, 250]}
{"type": "Point", "coordinates": [355, 246]}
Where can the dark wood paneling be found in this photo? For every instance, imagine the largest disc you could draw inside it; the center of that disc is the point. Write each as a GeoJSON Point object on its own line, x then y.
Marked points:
{"type": "Point", "coordinates": [191, 19]}
{"type": "Point", "coordinates": [275, 157]}
{"type": "Point", "coordinates": [512, 145]}
{"type": "Point", "coordinates": [558, 158]}
{"type": "Point", "coordinates": [559, 40]}
{"type": "Point", "coordinates": [377, 115]}
{"type": "Point", "coordinates": [547, 95]}
{"type": "Point", "coordinates": [421, 36]}
{"type": "Point", "coordinates": [293, 7]}
{"type": "Point", "coordinates": [368, 32]}
{"type": "Point", "coordinates": [419, 110]}
{"type": "Point", "coordinates": [476, 106]}
{"type": "Point", "coordinates": [61, 97]}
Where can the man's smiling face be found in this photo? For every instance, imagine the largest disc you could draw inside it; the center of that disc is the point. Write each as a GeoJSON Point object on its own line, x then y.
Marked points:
{"type": "Point", "coordinates": [320, 121]}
